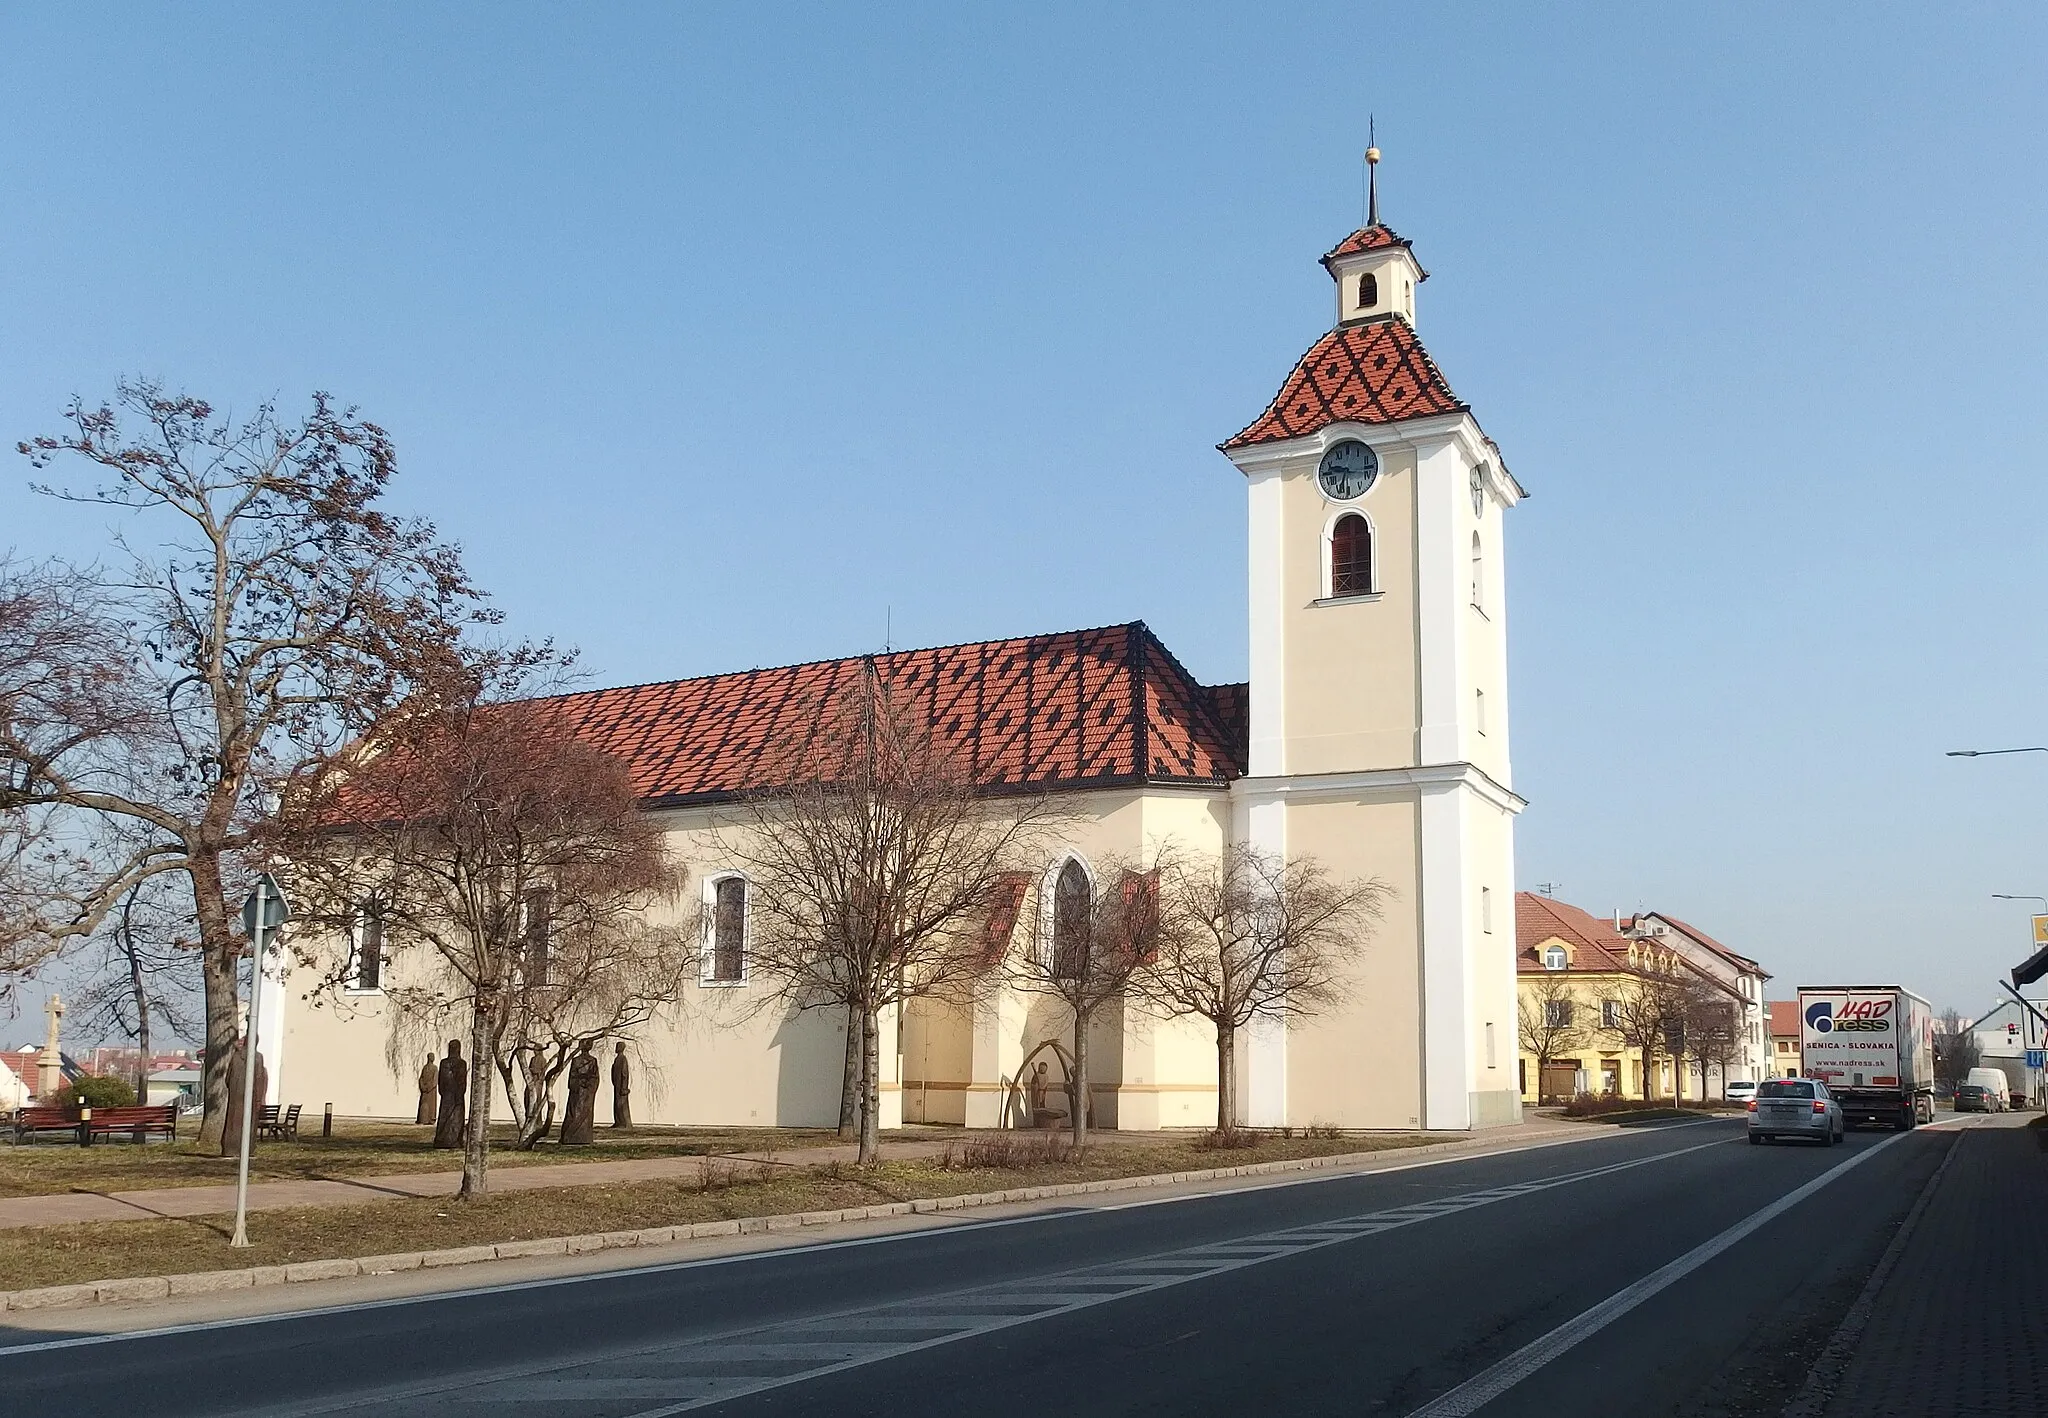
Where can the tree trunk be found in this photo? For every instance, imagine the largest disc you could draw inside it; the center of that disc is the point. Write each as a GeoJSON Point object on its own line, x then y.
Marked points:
{"type": "Point", "coordinates": [1077, 1086]}
{"type": "Point", "coordinates": [1226, 1078]}
{"type": "Point", "coordinates": [137, 984]}
{"type": "Point", "coordinates": [850, 1079]}
{"type": "Point", "coordinates": [219, 953]}
{"type": "Point", "coordinates": [1678, 1080]}
{"type": "Point", "coordinates": [476, 1132]}
{"type": "Point", "coordinates": [870, 1086]}
{"type": "Point", "coordinates": [1649, 1081]}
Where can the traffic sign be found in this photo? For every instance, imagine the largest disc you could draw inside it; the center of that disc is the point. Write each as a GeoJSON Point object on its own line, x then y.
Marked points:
{"type": "Point", "coordinates": [265, 908]}
{"type": "Point", "coordinates": [2037, 1058]}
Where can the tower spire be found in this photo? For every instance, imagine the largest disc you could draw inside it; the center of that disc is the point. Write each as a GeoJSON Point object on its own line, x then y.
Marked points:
{"type": "Point", "coordinates": [1372, 173]}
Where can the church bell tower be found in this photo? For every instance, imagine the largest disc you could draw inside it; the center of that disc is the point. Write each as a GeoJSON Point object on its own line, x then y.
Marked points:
{"type": "Point", "coordinates": [1379, 705]}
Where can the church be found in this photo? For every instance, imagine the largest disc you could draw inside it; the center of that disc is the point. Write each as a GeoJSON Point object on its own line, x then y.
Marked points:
{"type": "Point", "coordinates": [1372, 735]}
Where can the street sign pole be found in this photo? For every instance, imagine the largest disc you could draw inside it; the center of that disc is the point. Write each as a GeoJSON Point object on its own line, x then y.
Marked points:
{"type": "Point", "coordinates": [262, 913]}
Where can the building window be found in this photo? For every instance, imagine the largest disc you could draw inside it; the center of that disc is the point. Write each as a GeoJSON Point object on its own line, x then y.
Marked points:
{"type": "Point", "coordinates": [1489, 1044]}
{"type": "Point", "coordinates": [1351, 556]}
{"type": "Point", "coordinates": [1554, 958]}
{"type": "Point", "coordinates": [366, 948]}
{"type": "Point", "coordinates": [725, 954]}
{"type": "Point", "coordinates": [1073, 903]}
{"type": "Point", "coordinates": [536, 923]}
{"type": "Point", "coordinates": [1486, 909]}
{"type": "Point", "coordinates": [1478, 575]}
{"type": "Point", "coordinates": [1610, 1014]}
{"type": "Point", "coordinates": [1368, 291]}
{"type": "Point", "coordinates": [1557, 1014]}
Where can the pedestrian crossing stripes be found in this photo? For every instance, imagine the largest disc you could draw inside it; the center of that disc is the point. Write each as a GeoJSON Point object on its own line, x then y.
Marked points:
{"type": "Point", "coordinates": [668, 1379]}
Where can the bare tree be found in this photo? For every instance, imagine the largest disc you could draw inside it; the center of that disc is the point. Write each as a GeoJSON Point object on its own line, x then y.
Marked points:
{"type": "Point", "coordinates": [1548, 1022]}
{"type": "Point", "coordinates": [1713, 1029]}
{"type": "Point", "coordinates": [510, 874]}
{"type": "Point", "coordinates": [1243, 936]}
{"type": "Point", "coordinates": [136, 976]}
{"type": "Point", "coordinates": [1955, 1048]}
{"type": "Point", "coordinates": [1089, 946]}
{"type": "Point", "coordinates": [1645, 1006]}
{"type": "Point", "coordinates": [70, 694]}
{"type": "Point", "coordinates": [871, 864]}
{"type": "Point", "coordinates": [274, 593]}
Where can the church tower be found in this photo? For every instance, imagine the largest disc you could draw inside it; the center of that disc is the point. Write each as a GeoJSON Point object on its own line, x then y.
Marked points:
{"type": "Point", "coordinates": [1379, 711]}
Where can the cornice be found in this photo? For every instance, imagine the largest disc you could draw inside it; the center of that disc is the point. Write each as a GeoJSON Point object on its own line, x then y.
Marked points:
{"type": "Point", "coordinates": [1438, 777]}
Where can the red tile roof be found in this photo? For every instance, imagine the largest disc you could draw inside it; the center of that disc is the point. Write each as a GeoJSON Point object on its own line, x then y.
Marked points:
{"type": "Point", "coordinates": [1784, 1018]}
{"type": "Point", "coordinates": [1539, 918]}
{"type": "Point", "coordinates": [1371, 372]}
{"type": "Point", "coordinates": [1082, 709]}
{"type": "Point", "coordinates": [1366, 238]}
{"type": "Point", "coordinates": [1714, 945]}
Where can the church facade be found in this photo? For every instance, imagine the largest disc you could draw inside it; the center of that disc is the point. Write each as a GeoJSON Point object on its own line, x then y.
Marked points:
{"type": "Point", "coordinates": [1372, 735]}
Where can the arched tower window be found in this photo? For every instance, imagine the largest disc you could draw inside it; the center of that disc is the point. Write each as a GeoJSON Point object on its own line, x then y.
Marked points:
{"type": "Point", "coordinates": [1073, 900]}
{"type": "Point", "coordinates": [1368, 291]}
{"type": "Point", "coordinates": [1478, 573]}
{"type": "Point", "coordinates": [1351, 556]}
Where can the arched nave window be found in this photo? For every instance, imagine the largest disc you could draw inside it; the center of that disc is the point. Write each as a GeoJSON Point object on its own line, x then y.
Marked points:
{"type": "Point", "coordinates": [725, 944]}
{"type": "Point", "coordinates": [1073, 901]}
{"type": "Point", "coordinates": [1351, 556]}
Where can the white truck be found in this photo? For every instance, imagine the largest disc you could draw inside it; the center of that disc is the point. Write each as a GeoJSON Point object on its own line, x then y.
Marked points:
{"type": "Point", "coordinates": [1873, 1046]}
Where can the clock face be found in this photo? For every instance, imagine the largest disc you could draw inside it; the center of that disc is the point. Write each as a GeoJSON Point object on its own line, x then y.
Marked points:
{"type": "Point", "coordinates": [1348, 469]}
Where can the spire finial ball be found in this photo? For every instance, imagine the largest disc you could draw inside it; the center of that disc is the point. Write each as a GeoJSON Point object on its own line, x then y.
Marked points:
{"type": "Point", "coordinates": [1372, 154]}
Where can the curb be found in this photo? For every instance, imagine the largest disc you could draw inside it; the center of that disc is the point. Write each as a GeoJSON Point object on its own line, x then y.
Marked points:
{"type": "Point", "coordinates": [208, 1282]}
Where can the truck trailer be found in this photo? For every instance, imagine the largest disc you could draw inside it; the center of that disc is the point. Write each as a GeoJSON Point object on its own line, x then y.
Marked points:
{"type": "Point", "coordinates": [1873, 1046]}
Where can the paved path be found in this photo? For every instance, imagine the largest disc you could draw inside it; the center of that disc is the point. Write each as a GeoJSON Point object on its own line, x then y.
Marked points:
{"type": "Point", "coordinates": [1652, 1271]}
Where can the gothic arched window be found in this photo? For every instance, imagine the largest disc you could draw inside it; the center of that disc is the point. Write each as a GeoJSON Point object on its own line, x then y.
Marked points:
{"type": "Point", "coordinates": [1478, 573]}
{"type": "Point", "coordinates": [1073, 901]}
{"type": "Point", "coordinates": [1351, 556]}
{"type": "Point", "coordinates": [1368, 291]}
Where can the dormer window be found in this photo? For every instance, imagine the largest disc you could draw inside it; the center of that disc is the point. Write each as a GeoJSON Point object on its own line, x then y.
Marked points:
{"type": "Point", "coordinates": [1368, 291]}
{"type": "Point", "coordinates": [1554, 957]}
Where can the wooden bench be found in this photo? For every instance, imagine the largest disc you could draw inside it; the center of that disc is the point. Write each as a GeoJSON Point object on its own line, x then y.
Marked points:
{"type": "Point", "coordinates": [283, 1129]}
{"type": "Point", "coordinates": [105, 1122]}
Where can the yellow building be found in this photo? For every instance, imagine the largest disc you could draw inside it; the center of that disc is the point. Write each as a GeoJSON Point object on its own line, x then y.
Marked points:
{"type": "Point", "coordinates": [1372, 735]}
{"type": "Point", "coordinates": [1577, 978]}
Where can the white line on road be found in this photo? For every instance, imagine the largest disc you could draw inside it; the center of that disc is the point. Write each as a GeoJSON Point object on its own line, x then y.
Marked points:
{"type": "Point", "coordinates": [941, 1225]}
{"type": "Point", "coordinates": [1490, 1383]}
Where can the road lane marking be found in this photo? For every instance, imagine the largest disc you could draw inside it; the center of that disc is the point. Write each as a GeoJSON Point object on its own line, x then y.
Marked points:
{"type": "Point", "coordinates": [718, 1369]}
{"type": "Point", "coordinates": [941, 1226]}
{"type": "Point", "coordinates": [1496, 1379]}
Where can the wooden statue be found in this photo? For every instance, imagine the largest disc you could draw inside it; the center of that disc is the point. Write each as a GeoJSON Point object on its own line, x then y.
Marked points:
{"type": "Point", "coordinates": [430, 1085]}
{"type": "Point", "coordinates": [581, 1119]}
{"type": "Point", "coordinates": [452, 1081]}
{"type": "Point", "coordinates": [622, 1089]}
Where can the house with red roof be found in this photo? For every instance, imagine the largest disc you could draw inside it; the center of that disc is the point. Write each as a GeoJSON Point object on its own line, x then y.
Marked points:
{"type": "Point", "coordinates": [1729, 968]}
{"type": "Point", "coordinates": [1371, 735]}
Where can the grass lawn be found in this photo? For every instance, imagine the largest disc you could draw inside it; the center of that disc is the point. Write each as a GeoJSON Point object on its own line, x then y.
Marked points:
{"type": "Point", "coordinates": [58, 1255]}
{"type": "Point", "coordinates": [357, 1149]}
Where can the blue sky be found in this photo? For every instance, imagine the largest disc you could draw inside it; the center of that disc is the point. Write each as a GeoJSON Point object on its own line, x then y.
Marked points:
{"type": "Point", "coordinates": [724, 337]}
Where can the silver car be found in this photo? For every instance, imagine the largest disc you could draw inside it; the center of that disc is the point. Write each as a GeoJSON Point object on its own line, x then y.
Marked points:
{"type": "Point", "coordinates": [1794, 1107]}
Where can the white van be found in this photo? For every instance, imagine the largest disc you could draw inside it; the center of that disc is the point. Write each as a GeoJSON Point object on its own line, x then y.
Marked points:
{"type": "Point", "coordinates": [1994, 1080]}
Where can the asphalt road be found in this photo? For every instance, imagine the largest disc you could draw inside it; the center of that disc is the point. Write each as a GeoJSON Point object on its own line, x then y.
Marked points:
{"type": "Point", "coordinates": [1661, 1271]}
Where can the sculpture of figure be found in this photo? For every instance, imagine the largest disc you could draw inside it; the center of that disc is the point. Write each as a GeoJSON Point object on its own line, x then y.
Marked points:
{"type": "Point", "coordinates": [452, 1080]}
{"type": "Point", "coordinates": [622, 1089]}
{"type": "Point", "coordinates": [581, 1119]}
{"type": "Point", "coordinates": [430, 1084]}
{"type": "Point", "coordinates": [1043, 1114]}
{"type": "Point", "coordinates": [231, 1132]}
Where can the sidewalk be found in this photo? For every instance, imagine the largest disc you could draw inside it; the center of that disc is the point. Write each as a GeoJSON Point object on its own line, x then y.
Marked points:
{"type": "Point", "coordinates": [1956, 1328]}
{"type": "Point", "coordinates": [214, 1200]}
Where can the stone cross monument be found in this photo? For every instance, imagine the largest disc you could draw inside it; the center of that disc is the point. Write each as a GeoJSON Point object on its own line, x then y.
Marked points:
{"type": "Point", "coordinates": [50, 1062]}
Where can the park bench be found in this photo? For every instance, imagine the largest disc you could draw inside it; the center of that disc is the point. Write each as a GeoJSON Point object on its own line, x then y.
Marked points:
{"type": "Point", "coordinates": [105, 1122]}
{"type": "Point", "coordinates": [284, 1128]}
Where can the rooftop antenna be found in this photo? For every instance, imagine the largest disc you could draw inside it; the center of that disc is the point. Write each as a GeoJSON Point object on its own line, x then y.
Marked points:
{"type": "Point", "coordinates": [1549, 888]}
{"type": "Point", "coordinates": [1372, 172]}
{"type": "Point", "coordinates": [888, 627]}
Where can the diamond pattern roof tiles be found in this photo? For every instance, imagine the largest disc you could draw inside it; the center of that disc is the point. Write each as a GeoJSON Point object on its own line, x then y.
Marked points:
{"type": "Point", "coordinates": [1372, 372]}
{"type": "Point", "coordinates": [1366, 238]}
{"type": "Point", "coordinates": [1085, 708]}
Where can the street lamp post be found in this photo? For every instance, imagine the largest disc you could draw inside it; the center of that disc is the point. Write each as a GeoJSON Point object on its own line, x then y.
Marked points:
{"type": "Point", "coordinates": [1989, 752]}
